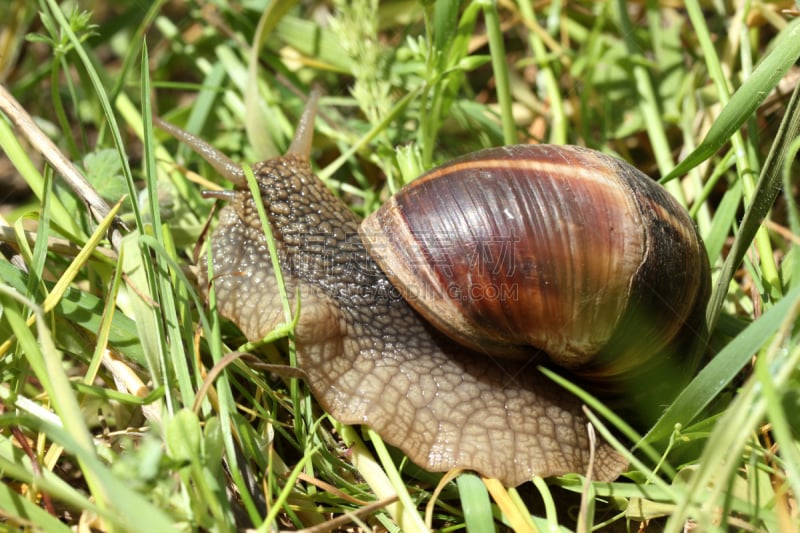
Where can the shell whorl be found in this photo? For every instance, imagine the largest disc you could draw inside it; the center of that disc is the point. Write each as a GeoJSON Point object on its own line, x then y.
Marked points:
{"type": "Point", "coordinates": [534, 248]}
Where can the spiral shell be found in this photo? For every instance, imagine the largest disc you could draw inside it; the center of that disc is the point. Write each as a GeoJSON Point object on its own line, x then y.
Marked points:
{"type": "Point", "coordinates": [517, 250]}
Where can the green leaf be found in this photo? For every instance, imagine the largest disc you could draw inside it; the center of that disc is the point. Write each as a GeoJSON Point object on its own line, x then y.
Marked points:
{"type": "Point", "coordinates": [445, 22]}
{"type": "Point", "coordinates": [214, 444]}
{"type": "Point", "coordinates": [475, 503]}
{"type": "Point", "coordinates": [184, 437]}
{"type": "Point", "coordinates": [104, 172]}
{"type": "Point", "coordinates": [86, 311]}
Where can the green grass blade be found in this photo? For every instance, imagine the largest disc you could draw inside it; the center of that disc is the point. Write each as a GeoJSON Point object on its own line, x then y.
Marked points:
{"type": "Point", "coordinates": [498, 52]}
{"type": "Point", "coordinates": [767, 190]}
{"type": "Point", "coordinates": [123, 502]}
{"type": "Point", "coordinates": [18, 155]}
{"type": "Point", "coordinates": [27, 511]}
{"type": "Point", "coordinates": [475, 503]}
{"type": "Point", "coordinates": [744, 102]}
{"type": "Point", "coordinates": [76, 303]}
{"type": "Point", "coordinates": [722, 369]}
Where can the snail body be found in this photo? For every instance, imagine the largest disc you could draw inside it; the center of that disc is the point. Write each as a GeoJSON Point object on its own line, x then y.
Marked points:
{"type": "Point", "coordinates": [371, 358]}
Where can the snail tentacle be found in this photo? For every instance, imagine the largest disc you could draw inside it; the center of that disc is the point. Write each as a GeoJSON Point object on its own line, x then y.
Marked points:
{"type": "Point", "coordinates": [304, 134]}
{"type": "Point", "coordinates": [221, 163]}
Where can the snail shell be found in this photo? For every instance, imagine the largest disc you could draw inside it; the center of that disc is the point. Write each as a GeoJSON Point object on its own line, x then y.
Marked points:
{"type": "Point", "coordinates": [372, 359]}
{"type": "Point", "coordinates": [516, 250]}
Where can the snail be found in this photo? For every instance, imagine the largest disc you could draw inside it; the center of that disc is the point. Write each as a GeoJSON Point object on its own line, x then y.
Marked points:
{"type": "Point", "coordinates": [604, 267]}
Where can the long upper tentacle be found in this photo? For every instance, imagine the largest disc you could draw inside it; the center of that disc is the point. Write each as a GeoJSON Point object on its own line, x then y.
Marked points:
{"type": "Point", "coordinates": [304, 134]}
{"type": "Point", "coordinates": [215, 158]}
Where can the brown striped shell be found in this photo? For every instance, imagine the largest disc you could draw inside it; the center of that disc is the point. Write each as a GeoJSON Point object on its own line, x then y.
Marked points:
{"type": "Point", "coordinates": [559, 249]}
